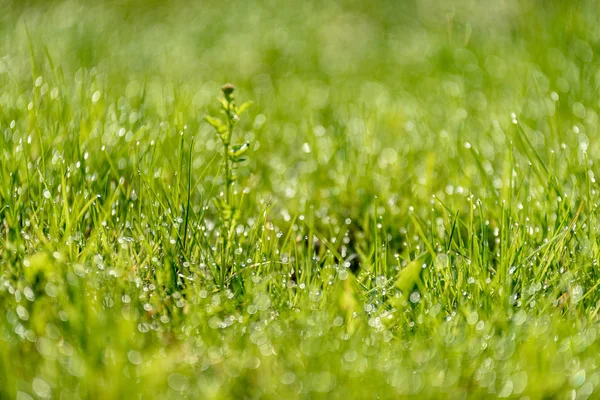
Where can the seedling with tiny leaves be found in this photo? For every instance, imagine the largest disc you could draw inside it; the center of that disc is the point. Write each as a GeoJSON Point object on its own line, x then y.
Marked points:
{"type": "Point", "coordinates": [232, 154]}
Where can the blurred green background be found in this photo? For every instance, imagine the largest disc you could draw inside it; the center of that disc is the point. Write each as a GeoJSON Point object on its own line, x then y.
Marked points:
{"type": "Point", "coordinates": [413, 77]}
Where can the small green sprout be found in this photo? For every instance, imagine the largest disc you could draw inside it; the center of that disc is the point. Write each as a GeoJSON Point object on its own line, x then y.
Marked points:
{"type": "Point", "coordinates": [232, 154]}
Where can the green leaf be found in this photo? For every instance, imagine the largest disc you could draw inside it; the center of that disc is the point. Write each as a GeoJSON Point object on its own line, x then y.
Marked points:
{"type": "Point", "coordinates": [409, 277]}
{"type": "Point", "coordinates": [224, 104]}
{"type": "Point", "coordinates": [241, 109]}
{"type": "Point", "coordinates": [216, 123]}
{"type": "Point", "coordinates": [224, 136]}
{"type": "Point", "coordinates": [239, 150]}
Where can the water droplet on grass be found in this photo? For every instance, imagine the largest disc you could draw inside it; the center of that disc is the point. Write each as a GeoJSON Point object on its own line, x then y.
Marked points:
{"type": "Point", "coordinates": [287, 378]}
{"type": "Point", "coordinates": [135, 357]}
{"type": "Point", "coordinates": [415, 297]}
{"type": "Point", "coordinates": [41, 388]}
{"type": "Point", "coordinates": [23, 396]}
{"type": "Point", "coordinates": [343, 273]}
{"type": "Point", "coordinates": [178, 382]}
{"type": "Point", "coordinates": [22, 313]}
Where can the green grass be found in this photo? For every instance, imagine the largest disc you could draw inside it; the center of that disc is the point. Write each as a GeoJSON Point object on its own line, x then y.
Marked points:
{"type": "Point", "coordinates": [417, 214]}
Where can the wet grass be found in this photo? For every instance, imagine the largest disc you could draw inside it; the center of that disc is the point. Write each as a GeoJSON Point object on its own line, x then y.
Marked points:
{"type": "Point", "coordinates": [416, 216]}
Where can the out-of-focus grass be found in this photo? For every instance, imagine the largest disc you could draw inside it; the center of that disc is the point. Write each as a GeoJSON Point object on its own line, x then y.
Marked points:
{"type": "Point", "coordinates": [418, 216]}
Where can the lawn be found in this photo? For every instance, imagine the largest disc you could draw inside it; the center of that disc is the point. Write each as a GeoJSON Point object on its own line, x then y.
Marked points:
{"type": "Point", "coordinates": [407, 208]}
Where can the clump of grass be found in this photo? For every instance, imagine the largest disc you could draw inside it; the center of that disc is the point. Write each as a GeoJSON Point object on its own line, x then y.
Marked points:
{"type": "Point", "coordinates": [233, 154]}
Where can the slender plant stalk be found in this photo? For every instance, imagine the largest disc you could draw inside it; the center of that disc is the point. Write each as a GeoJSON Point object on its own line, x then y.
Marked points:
{"type": "Point", "coordinates": [231, 155]}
